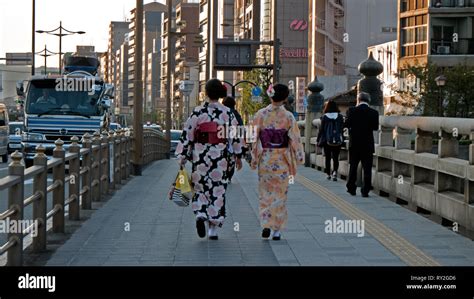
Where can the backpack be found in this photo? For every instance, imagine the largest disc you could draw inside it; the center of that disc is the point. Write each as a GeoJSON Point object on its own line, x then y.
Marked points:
{"type": "Point", "coordinates": [333, 132]}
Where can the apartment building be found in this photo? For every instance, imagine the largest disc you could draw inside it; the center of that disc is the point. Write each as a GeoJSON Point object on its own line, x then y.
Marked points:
{"type": "Point", "coordinates": [117, 32]}
{"type": "Point", "coordinates": [153, 14]}
{"type": "Point", "coordinates": [340, 31]}
{"type": "Point", "coordinates": [214, 19]}
{"type": "Point", "coordinates": [435, 31]}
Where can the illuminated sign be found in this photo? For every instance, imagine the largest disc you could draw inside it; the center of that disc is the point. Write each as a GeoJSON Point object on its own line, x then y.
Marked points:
{"type": "Point", "coordinates": [299, 25]}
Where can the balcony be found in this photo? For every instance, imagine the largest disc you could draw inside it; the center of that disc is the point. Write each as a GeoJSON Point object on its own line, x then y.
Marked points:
{"type": "Point", "coordinates": [452, 3]}
{"type": "Point", "coordinates": [464, 46]}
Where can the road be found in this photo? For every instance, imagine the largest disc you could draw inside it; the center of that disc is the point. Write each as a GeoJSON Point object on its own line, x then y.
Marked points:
{"type": "Point", "coordinates": [28, 213]}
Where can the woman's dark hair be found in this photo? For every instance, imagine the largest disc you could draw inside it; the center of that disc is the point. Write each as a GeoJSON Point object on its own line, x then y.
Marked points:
{"type": "Point", "coordinates": [281, 92]}
{"type": "Point", "coordinates": [330, 107]}
{"type": "Point", "coordinates": [229, 102]}
{"type": "Point", "coordinates": [215, 89]}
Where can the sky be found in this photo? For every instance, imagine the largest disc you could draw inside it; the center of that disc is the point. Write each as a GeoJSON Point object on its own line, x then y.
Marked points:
{"type": "Point", "coordinates": [91, 16]}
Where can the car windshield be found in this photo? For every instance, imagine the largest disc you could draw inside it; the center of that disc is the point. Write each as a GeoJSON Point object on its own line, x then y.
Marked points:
{"type": "Point", "coordinates": [175, 135]}
{"type": "Point", "coordinates": [15, 129]}
{"type": "Point", "coordinates": [50, 96]}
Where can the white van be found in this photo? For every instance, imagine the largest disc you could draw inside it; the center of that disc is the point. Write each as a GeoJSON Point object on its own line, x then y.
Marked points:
{"type": "Point", "coordinates": [4, 133]}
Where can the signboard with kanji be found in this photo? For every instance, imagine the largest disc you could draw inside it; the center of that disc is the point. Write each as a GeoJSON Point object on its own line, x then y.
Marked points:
{"type": "Point", "coordinates": [300, 94]}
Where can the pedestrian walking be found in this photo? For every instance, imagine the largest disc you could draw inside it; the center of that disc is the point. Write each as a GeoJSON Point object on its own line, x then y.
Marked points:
{"type": "Point", "coordinates": [361, 121]}
{"type": "Point", "coordinates": [229, 102]}
{"type": "Point", "coordinates": [209, 153]}
{"type": "Point", "coordinates": [276, 153]}
{"type": "Point", "coordinates": [330, 137]}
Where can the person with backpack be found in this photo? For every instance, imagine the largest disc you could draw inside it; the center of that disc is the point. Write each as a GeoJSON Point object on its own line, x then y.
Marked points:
{"type": "Point", "coordinates": [330, 137]}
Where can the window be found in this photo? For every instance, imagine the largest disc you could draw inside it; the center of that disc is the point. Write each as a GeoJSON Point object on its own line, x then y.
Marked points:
{"type": "Point", "coordinates": [414, 35]}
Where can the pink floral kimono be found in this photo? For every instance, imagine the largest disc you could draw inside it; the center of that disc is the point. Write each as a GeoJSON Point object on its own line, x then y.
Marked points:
{"type": "Point", "coordinates": [276, 152]}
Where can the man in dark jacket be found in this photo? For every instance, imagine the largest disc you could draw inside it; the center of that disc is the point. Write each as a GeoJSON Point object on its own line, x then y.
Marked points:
{"type": "Point", "coordinates": [361, 121]}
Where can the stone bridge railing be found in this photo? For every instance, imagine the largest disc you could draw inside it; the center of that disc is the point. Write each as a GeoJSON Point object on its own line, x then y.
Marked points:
{"type": "Point", "coordinates": [97, 165]}
{"type": "Point", "coordinates": [410, 168]}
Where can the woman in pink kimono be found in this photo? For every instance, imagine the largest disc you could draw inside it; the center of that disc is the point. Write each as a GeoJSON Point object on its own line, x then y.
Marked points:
{"type": "Point", "coordinates": [275, 153]}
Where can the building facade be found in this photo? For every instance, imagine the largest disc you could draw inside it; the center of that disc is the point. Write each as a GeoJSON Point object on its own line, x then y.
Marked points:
{"type": "Point", "coordinates": [117, 32]}
{"type": "Point", "coordinates": [186, 59]}
{"type": "Point", "coordinates": [214, 15]}
{"type": "Point", "coordinates": [153, 14]}
{"type": "Point", "coordinates": [342, 30]}
{"type": "Point", "coordinates": [436, 31]}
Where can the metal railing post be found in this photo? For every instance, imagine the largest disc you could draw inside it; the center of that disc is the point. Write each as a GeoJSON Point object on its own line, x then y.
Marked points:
{"type": "Point", "coordinates": [58, 193]}
{"type": "Point", "coordinates": [87, 173]}
{"type": "Point", "coordinates": [15, 201]}
{"type": "Point", "coordinates": [112, 159]}
{"type": "Point", "coordinates": [40, 182]}
{"type": "Point", "coordinates": [96, 167]}
{"type": "Point", "coordinates": [75, 180]}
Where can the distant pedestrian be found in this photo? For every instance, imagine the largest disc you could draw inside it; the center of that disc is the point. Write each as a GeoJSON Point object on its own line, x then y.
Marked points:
{"type": "Point", "coordinates": [201, 144]}
{"type": "Point", "coordinates": [229, 102]}
{"type": "Point", "coordinates": [276, 152]}
{"type": "Point", "coordinates": [331, 138]}
{"type": "Point", "coordinates": [361, 121]}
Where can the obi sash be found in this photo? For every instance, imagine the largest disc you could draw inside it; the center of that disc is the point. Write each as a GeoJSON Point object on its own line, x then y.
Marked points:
{"type": "Point", "coordinates": [207, 133]}
{"type": "Point", "coordinates": [274, 138]}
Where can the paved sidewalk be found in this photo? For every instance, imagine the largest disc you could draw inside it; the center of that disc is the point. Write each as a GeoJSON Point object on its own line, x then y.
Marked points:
{"type": "Point", "coordinates": [162, 234]}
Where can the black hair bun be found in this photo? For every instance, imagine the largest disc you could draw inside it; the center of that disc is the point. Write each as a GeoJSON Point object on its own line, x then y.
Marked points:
{"type": "Point", "coordinates": [215, 89]}
{"type": "Point", "coordinates": [281, 92]}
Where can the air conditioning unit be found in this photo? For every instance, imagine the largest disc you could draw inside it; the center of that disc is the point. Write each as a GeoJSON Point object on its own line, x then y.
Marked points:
{"type": "Point", "coordinates": [442, 50]}
{"type": "Point", "coordinates": [461, 3]}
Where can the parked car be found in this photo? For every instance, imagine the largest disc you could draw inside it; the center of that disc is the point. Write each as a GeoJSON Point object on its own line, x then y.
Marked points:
{"type": "Point", "coordinates": [4, 133]}
{"type": "Point", "coordinates": [175, 135]}
{"type": "Point", "coordinates": [153, 126]}
{"type": "Point", "coordinates": [115, 126]}
{"type": "Point", "coordinates": [16, 128]}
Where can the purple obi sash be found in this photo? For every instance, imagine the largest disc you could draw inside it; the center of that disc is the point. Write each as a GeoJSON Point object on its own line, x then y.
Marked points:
{"type": "Point", "coordinates": [274, 138]}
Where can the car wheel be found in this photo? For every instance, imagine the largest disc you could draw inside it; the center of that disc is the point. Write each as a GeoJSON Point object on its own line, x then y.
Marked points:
{"type": "Point", "coordinates": [5, 158]}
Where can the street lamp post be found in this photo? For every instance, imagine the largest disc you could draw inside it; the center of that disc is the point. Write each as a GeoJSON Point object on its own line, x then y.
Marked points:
{"type": "Point", "coordinates": [234, 86]}
{"type": "Point", "coordinates": [45, 53]}
{"type": "Point", "coordinates": [440, 82]}
{"type": "Point", "coordinates": [60, 34]}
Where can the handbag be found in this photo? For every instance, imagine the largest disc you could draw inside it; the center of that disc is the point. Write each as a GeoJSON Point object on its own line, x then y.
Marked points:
{"type": "Point", "coordinates": [181, 192]}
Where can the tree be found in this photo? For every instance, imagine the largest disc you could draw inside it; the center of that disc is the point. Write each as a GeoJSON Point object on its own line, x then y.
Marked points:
{"type": "Point", "coordinates": [455, 99]}
{"type": "Point", "coordinates": [261, 77]}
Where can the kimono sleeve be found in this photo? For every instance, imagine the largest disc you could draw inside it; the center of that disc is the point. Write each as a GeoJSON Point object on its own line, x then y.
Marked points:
{"type": "Point", "coordinates": [296, 147]}
{"type": "Point", "coordinates": [256, 145]}
{"type": "Point", "coordinates": [237, 142]}
{"type": "Point", "coordinates": [184, 149]}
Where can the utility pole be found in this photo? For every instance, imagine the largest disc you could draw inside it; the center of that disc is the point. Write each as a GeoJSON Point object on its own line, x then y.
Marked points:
{"type": "Point", "coordinates": [138, 92]}
{"type": "Point", "coordinates": [169, 65]}
{"type": "Point", "coordinates": [33, 25]}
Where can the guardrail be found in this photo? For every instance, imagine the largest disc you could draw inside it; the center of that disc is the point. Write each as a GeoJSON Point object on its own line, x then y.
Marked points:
{"type": "Point", "coordinates": [100, 165]}
{"type": "Point", "coordinates": [426, 176]}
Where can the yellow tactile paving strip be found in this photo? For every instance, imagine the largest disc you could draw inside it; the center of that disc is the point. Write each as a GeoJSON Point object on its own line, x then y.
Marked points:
{"type": "Point", "coordinates": [399, 246]}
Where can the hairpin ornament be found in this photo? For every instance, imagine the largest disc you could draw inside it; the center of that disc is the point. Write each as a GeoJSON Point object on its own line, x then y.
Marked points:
{"type": "Point", "coordinates": [271, 91]}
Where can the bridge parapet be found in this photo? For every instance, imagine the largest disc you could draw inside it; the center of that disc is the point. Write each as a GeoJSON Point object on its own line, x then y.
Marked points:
{"type": "Point", "coordinates": [96, 168]}
{"type": "Point", "coordinates": [425, 162]}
